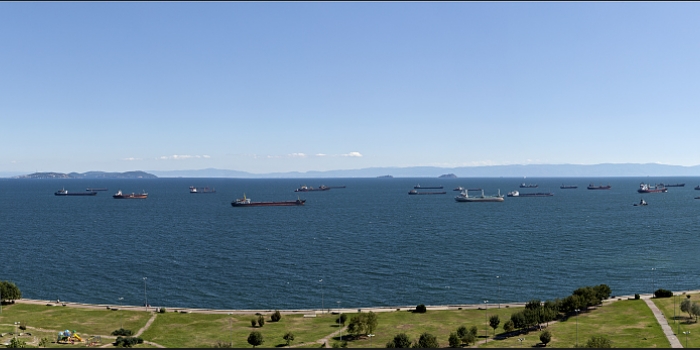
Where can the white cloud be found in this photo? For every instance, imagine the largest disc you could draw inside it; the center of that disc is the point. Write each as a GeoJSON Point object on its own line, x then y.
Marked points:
{"type": "Point", "coordinates": [130, 159]}
{"type": "Point", "coordinates": [297, 155]}
{"type": "Point", "coordinates": [352, 154]}
{"type": "Point", "coordinates": [181, 156]}
{"type": "Point", "coordinates": [320, 155]}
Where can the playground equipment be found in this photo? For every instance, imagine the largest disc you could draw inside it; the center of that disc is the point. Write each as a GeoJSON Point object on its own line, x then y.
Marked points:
{"type": "Point", "coordinates": [67, 336]}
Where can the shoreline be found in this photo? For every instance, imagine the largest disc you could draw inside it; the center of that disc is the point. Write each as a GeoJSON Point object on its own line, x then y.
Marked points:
{"type": "Point", "coordinates": [313, 312]}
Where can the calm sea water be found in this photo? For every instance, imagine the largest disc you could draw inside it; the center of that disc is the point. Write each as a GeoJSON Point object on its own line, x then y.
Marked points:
{"type": "Point", "coordinates": [370, 244]}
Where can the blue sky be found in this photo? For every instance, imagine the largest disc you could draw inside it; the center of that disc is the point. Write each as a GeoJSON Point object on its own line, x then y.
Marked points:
{"type": "Point", "coordinates": [276, 87]}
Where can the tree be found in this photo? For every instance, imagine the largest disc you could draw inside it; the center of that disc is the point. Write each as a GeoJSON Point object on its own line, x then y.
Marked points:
{"type": "Point", "coordinates": [253, 322]}
{"type": "Point", "coordinates": [686, 306]}
{"type": "Point", "coordinates": [695, 310]}
{"type": "Point", "coordinates": [276, 316]}
{"type": "Point", "coordinates": [602, 291]}
{"type": "Point", "coordinates": [663, 293]}
{"type": "Point", "coordinates": [289, 337]}
{"type": "Point", "coordinates": [598, 341]}
{"type": "Point", "coordinates": [400, 341]}
{"type": "Point", "coordinates": [17, 343]}
{"type": "Point", "coordinates": [545, 337]}
{"type": "Point", "coordinates": [427, 341]}
{"type": "Point", "coordinates": [341, 319]}
{"type": "Point", "coordinates": [473, 330]}
{"type": "Point", "coordinates": [356, 325]}
{"type": "Point", "coordinates": [518, 320]}
{"type": "Point", "coordinates": [494, 321]}
{"type": "Point", "coordinates": [9, 291]}
{"type": "Point", "coordinates": [462, 331]}
{"type": "Point", "coordinates": [255, 338]}
{"type": "Point", "coordinates": [261, 320]}
{"type": "Point", "coordinates": [371, 322]}
{"type": "Point", "coordinates": [43, 342]}
{"type": "Point", "coordinates": [469, 338]}
{"type": "Point", "coordinates": [508, 326]}
{"type": "Point", "coordinates": [421, 309]}
{"type": "Point", "coordinates": [454, 340]}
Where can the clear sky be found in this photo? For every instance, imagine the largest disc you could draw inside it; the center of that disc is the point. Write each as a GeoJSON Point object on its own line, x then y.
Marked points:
{"type": "Point", "coordinates": [276, 86]}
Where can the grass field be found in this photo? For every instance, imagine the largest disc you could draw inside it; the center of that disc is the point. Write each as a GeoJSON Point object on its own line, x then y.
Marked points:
{"type": "Point", "coordinates": [682, 322]}
{"type": "Point", "coordinates": [628, 323]}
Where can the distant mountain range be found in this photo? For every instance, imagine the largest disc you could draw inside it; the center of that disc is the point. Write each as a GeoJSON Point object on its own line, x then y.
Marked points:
{"type": "Point", "coordinates": [89, 175]}
{"type": "Point", "coordinates": [530, 170]}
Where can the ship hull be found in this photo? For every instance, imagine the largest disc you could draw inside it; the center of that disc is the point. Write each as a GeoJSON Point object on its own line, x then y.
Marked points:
{"type": "Point", "coordinates": [269, 204]}
{"type": "Point", "coordinates": [653, 191]}
{"type": "Point", "coordinates": [93, 193]}
{"type": "Point", "coordinates": [498, 199]}
{"type": "Point", "coordinates": [130, 196]}
{"type": "Point", "coordinates": [416, 193]}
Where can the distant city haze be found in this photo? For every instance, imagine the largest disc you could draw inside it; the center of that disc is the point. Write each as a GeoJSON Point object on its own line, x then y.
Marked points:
{"type": "Point", "coordinates": [484, 88]}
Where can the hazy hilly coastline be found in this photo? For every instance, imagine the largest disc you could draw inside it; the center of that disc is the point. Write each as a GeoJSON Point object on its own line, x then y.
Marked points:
{"type": "Point", "coordinates": [530, 170]}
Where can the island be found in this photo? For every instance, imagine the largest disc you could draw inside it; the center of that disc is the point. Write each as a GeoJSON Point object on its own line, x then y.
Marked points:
{"type": "Point", "coordinates": [89, 175]}
{"type": "Point", "coordinates": [447, 176]}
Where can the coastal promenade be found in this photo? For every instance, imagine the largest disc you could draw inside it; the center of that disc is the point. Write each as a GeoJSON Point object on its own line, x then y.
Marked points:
{"type": "Point", "coordinates": [673, 340]}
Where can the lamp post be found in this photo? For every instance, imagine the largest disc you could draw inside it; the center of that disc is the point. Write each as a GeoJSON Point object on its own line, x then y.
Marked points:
{"type": "Point", "coordinates": [686, 338]}
{"type": "Point", "coordinates": [120, 309]}
{"type": "Point", "coordinates": [577, 311]}
{"type": "Point", "coordinates": [145, 296]}
{"type": "Point", "coordinates": [17, 331]}
{"type": "Point", "coordinates": [486, 302]}
{"type": "Point", "coordinates": [321, 282]}
{"type": "Point", "coordinates": [370, 340]}
{"type": "Point", "coordinates": [498, 278]}
{"type": "Point", "coordinates": [521, 341]}
{"type": "Point", "coordinates": [339, 323]}
{"type": "Point", "coordinates": [653, 283]}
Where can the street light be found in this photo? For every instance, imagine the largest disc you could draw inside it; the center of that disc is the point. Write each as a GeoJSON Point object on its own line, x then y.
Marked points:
{"type": "Point", "coordinates": [521, 341]}
{"type": "Point", "coordinates": [339, 323]}
{"type": "Point", "coordinates": [321, 281]}
{"type": "Point", "coordinates": [577, 311]}
{"type": "Point", "coordinates": [487, 320]}
{"type": "Point", "coordinates": [17, 331]}
{"type": "Point", "coordinates": [120, 308]}
{"type": "Point", "coordinates": [653, 284]}
{"type": "Point", "coordinates": [370, 340]}
{"type": "Point", "coordinates": [145, 296]}
{"type": "Point", "coordinates": [686, 338]}
{"type": "Point", "coordinates": [498, 278]}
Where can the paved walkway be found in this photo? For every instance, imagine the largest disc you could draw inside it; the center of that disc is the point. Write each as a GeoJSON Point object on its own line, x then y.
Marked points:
{"type": "Point", "coordinates": [668, 331]}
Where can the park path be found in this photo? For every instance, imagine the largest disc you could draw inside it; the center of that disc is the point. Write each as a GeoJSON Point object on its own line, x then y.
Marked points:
{"type": "Point", "coordinates": [140, 331]}
{"type": "Point", "coordinates": [323, 341]}
{"type": "Point", "coordinates": [668, 331]}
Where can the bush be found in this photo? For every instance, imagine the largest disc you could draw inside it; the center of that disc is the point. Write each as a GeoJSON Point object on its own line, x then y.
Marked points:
{"type": "Point", "coordinates": [255, 338]}
{"type": "Point", "coordinates": [599, 342]}
{"type": "Point", "coordinates": [261, 321]}
{"type": "Point", "coordinates": [161, 310]}
{"type": "Point", "coordinates": [663, 293]}
{"type": "Point", "coordinates": [454, 340]}
{"type": "Point", "coordinates": [427, 341]}
{"type": "Point", "coordinates": [342, 319]}
{"type": "Point", "coordinates": [276, 316]}
{"type": "Point", "coordinates": [23, 326]}
{"type": "Point", "coordinates": [636, 296]}
{"type": "Point", "coordinates": [545, 337]}
{"type": "Point", "coordinates": [127, 342]}
{"type": "Point", "coordinates": [421, 309]}
{"type": "Point", "coordinates": [254, 322]}
{"type": "Point", "coordinates": [400, 341]}
{"type": "Point", "coordinates": [17, 343]}
{"type": "Point", "coordinates": [223, 345]}
{"type": "Point", "coordinates": [122, 332]}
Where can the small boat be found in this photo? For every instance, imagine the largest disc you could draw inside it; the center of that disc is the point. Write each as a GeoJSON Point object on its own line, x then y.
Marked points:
{"type": "Point", "coordinates": [697, 188]}
{"type": "Point", "coordinates": [524, 185]}
{"type": "Point", "coordinates": [513, 194]}
{"type": "Point", "coordinates": [132, 195]}
{"type": "Point", "coordinates": [202, 190]}
{"type": "Point", "coordinates": [601, 187]}
{"type": "Point", "coordinates": [64, 192]}
{"type": "Point", "coordinates": [459, 188]}
{"type": "Point", "coordinates": [568, 187]}
{"type": "Point", "coordinates": [646, 188]}
{"type": "Point", "coordinates": [464, 197]}
{"type": "Point", "coordinates": [414, 192]}
{"type": "Point", "coordinates": [245, 202]}
{"type": "Point", "coordinates": [418, 187]}
{"type": "Point", "coordinates": [641, 203]}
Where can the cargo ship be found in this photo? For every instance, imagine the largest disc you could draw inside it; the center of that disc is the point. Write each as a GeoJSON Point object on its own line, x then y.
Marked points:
{"type": "Point", "coordinates": [245, 202]}
{"type": "Point", "coordinates": [601, 187]}
{"type": "Point", "coordinates": [464, 197]}
{"type": "Point", "coordinates": [646, 188]}
{"type": "Point", "coordinates": [419, 187]}
{"type": "Point", "coordinates": [202, 190]}
{"type": "Point", "coordinates": [568, 187]}
{"type": "Point", "coordinates": [537, 194]}
{"type": "Point", "coordinates": [311, 189]}
{"type": "Point", "coordinates": [95, 189]}
{"type": "Point", "coordinates": [670, 185]}
{"type": "Point", "coordinates": [416, 192]}
{"type": "Point", "coordinates": [524, 185]}
{"type": "Point", "coordinates": [64, 192]}
{"type": "Point", "coordinates": [120, 195]}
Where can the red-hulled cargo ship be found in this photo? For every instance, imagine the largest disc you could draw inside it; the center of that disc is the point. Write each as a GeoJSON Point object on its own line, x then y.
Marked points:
{"type": "Point", "coordinates": [245, 202]}
{"type": "Point", "coordinates": [646, 188]}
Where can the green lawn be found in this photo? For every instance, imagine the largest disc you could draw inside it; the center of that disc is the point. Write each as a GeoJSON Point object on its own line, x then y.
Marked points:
{"type": "Point", "coordinates": [683, 322]}
{"type": "Point", "coordinates": [627, 323]}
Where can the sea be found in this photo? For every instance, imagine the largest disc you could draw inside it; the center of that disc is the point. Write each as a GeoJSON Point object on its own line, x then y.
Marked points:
{"type": "Point", "coordinates": [369, 244]}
